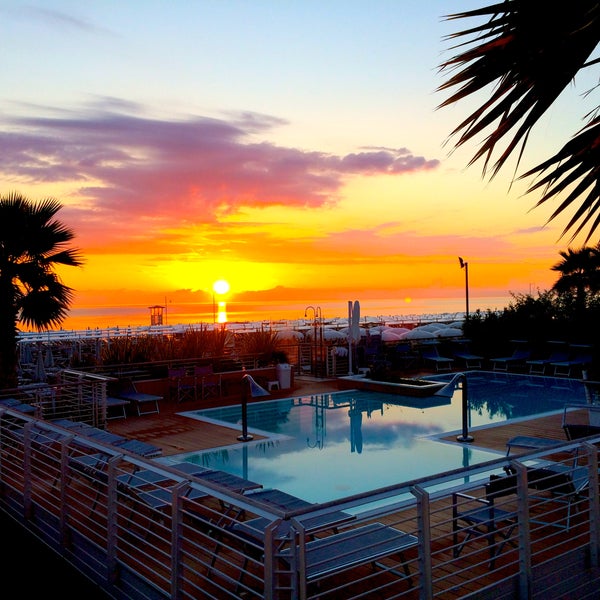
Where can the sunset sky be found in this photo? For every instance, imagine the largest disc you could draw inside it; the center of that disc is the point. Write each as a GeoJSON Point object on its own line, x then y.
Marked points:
{"type": "Point", "coordinates": [290, 148]}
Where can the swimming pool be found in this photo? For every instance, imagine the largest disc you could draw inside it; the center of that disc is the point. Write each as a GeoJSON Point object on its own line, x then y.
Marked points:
{"type": "Point", "coordinates": [328, 446]}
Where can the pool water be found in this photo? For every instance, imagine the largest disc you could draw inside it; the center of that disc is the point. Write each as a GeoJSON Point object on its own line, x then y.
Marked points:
{"type": "Point", "coordinates": [328, 446]}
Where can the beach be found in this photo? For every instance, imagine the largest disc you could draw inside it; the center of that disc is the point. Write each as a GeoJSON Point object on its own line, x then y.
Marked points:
{"type": "Point", "coordinates": [378, 310]}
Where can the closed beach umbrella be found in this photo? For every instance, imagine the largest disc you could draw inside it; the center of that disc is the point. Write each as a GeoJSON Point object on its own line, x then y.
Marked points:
{"type": "Point", "coordinates": [26, 357]}
{"type": "Point", "coordinates": [355, 325]}
{"type": "Point", "coordinates": [39, 374]}
{"type": "Point", "coordinates": [49, 360]}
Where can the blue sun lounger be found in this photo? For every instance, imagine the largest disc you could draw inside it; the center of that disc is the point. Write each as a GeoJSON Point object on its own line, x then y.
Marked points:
{"type": "Point", "coordinates": [141, 400]}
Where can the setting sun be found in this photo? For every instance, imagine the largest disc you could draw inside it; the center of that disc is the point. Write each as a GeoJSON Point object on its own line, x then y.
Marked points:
{"type": "Point", "coordinates": [220, 287]}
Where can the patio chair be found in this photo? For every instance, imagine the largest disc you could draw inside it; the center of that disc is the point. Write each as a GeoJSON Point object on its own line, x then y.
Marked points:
{"type": "Point", "coordinates": [430, 354]}
{"type": "Point", "coordinates": [564, 484]}
{"type": "Point", "coordinates": [209, 381]}
{"type": "Point", "coordinates": [477, 517]}
{"type": "Point", "coordinates": [182, 386]}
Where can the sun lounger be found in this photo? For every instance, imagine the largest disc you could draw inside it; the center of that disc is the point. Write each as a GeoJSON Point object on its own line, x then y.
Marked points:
{"type": "Point", "coordinates": [430, 354]}
{"type": "Point", "coordinates": [15, 404]}
{"type": "Point", "coordinates": [580, 356]}
{"type": "Point", "coordinates": [559, 353]}
{"type": "Point", "coordinates": [141, 448]}
{"type": "Point", "coordinates": [518, 357]}
{"type": "Point", "coordinates": [145, 403]}
{"type": "Point", "coordinates": [118, 406]}
{"type": "Point", "coordinates": [531, 443]}
{"type": "Point", "coordinates": [462, 352]}
{"type": "Point", "coordinates": [581, 420]}
{"type": "Point", "coordinates": [254, 529]}
{"type": "Point", "coordinates": [352, 548]}
{"type": "Point", "coordinates": [233, 483]}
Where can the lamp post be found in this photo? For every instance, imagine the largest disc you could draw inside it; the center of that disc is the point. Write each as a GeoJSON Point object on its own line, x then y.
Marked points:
{"type": "Point", "coordinates": [465, 265]}
{"type": "Point", "coordinates": [252, 389]}
{"type": "Point", "coordinates": [317, 315]}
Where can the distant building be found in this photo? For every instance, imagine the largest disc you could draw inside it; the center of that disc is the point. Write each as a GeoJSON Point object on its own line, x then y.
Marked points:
{"type": "Point", "coordinates": [156, 314]}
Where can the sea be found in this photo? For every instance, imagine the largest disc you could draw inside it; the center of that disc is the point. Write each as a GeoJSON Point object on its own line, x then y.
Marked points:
{"type": "Point", "coordinates": [276, 312]}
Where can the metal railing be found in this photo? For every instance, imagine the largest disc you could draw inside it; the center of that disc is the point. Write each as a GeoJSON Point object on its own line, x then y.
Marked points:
{"type": "Point", "coordinates": [172, 535]}
{"type": "Point", "coordinates": [77, 395]}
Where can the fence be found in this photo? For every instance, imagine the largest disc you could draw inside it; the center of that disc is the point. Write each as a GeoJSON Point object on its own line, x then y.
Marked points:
{"type": "Point", "coordinates": [144, 530]}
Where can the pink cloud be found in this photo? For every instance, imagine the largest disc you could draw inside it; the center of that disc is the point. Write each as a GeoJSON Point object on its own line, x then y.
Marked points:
{"type": "Point", "coordinates": [182, 169]}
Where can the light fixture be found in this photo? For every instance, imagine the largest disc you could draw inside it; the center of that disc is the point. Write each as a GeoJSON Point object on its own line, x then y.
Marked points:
{"type": "Point", "coordinates": [252, 389]}
{"type": "Point", "coordinates": [465, 265]}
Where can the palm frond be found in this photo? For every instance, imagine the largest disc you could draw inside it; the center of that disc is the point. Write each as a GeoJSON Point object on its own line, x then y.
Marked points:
{"type": "Point", "coordinates": [527, 61]}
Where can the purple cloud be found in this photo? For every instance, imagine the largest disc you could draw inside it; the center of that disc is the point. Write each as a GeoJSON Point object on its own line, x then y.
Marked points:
{"type": "Point", "coordinates": [195, 167]}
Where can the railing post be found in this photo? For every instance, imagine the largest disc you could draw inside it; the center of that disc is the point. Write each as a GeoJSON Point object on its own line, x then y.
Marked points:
{"type": "Point", "coordinates": [594, 500]}
{"type": "Point", "coordinates": [424, 535]}
{"type": "Point", "coordinates": [524, 537]}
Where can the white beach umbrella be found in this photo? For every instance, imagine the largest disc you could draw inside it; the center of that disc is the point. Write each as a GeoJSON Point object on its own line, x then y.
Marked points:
{"type": "Point", "coordinates": [418, 333]}
{"type": "Point", "coordinates": [447, 332]}
{"type": "Point", "coordinates": [431, 326]}
{"type": "Point", "coordinates": [331, 335]}
{"type": "Point", "coordinates": [290, 334]}
{"type": "Point", "coordinates": [391, 335]}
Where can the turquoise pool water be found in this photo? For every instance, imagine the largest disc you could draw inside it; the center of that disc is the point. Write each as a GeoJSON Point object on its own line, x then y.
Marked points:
{"type": "Point", "coordinates": [328, 446]}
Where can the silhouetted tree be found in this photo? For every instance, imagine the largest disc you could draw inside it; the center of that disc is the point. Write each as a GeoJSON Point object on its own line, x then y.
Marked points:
{"type": "Point", "coordinates": [579, 274]}
{"type": "Point", "coordinates": [32, 244]}
{"type": "Point", "coordinates": [522, 57]}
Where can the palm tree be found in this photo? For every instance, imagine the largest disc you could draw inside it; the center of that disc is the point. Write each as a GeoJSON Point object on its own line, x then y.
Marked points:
{"type": "Point", "coordinates": [579, 274]}
{"type": "Point", "coordinates": [530, 53]}
{"type": "Point", "coordinates": [32, 243]}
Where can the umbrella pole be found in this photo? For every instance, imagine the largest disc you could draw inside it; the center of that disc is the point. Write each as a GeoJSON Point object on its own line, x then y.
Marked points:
{"type": "Point", "coordinates": [350, 337]}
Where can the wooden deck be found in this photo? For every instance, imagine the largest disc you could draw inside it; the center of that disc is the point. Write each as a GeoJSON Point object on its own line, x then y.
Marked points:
{"type": "Point", "coordinates": [176, 434]}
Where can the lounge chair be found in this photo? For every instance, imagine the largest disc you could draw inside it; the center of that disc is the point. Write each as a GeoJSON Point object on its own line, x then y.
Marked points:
{"type": "Point", "coordinates": [116, 408]}
{"type": "Point", "coordinates": [138, 447]}
{"type": "Point", "coordinates": [517, 358]}
{"type": "Point", "coordinates": [558, 354]}
{"type": "Point", "coordinates": [430, 354]}
{"type": "Point", "coordinates": [141, 400]}
{"type": "Point", "coordinates": [282, 500]}
{"type": "Point", "coordinates": [581, 420]}
{"type": "Point", "coordinates": [580, 356]}
{"type": "Point", "coordinates": [367, 544]}
{"type": "Point", "coordinates": [462, 352]}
